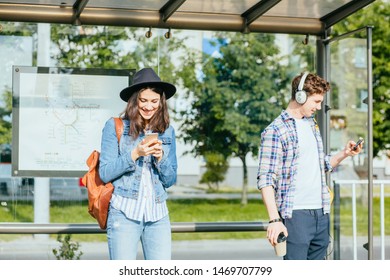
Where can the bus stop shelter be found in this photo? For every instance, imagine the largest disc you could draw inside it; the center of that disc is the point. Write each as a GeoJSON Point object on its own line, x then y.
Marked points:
{"type": "Point", "coordinates": [306, 17]}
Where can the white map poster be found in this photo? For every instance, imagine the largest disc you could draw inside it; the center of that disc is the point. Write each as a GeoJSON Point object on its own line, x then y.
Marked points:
{"type": "Point", "coordinates": [59, 115]}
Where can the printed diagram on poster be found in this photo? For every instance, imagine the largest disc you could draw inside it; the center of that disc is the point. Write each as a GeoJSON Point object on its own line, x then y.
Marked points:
{"type": "Point", "coordinates": [58, 117]}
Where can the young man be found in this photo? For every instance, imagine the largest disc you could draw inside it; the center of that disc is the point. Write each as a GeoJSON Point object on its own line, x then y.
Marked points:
{"type": "Point", "coordinates": [291, 174]}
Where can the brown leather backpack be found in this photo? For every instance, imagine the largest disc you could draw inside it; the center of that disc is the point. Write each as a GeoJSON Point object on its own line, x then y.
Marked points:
{"type": "Point", "coordinates": [99, 193]}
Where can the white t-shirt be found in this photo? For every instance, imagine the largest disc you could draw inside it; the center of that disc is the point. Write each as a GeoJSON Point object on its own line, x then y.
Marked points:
{"type": "Point", "coordinates": [308, 180]}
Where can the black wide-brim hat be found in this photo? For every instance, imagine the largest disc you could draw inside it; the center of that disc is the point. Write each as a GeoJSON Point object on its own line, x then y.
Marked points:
{"type": "Point", "coordinates": [146, 77]}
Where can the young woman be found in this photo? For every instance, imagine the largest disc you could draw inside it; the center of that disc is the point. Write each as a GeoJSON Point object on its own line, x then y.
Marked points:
{"type": "Point", "coordinates": [140, 170]}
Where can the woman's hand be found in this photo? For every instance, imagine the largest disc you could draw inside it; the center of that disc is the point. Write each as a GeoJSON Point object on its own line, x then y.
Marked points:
{"type": "Point", "coordinates": [153, 147]}
{"type": "Point", "coordinates": [158, 151]}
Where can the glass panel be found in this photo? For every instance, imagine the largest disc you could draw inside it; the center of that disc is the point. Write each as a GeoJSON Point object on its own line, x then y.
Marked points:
{"type": "Point", "coordinates": [42, 2]}
{"type": "Point", "coordinates": [153, 5]}
{"type": "Point", "coordinates": [305, 9]}
{"type": "Point", "coordinates": [348, 121]}
{"type": "Point", "coordinates": [218, 6]}
{"type": "Point", "coordinates": [177, 57]}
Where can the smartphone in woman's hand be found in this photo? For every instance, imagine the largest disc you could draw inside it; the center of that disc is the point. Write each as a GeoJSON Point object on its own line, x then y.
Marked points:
{"type": "Point", "coordinates": [150, 136]}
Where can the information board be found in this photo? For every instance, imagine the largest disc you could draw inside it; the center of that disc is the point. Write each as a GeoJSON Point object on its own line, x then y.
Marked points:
{"type": "Point", "coordinates": [58, 115]}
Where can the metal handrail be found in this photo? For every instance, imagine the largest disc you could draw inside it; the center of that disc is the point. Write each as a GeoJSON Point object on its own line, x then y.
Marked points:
{"type": "Point", "coordinates": [63, 228]}
{"type": "Point", "coordinates": [336, 223]}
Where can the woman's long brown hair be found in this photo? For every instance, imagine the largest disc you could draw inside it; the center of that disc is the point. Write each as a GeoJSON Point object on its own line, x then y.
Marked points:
{"type": "Point", "coordinates": [158, 123]}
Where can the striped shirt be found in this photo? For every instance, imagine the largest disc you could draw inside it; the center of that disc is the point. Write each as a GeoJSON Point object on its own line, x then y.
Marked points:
{"type": "Point", "coordinates": [278, 162]}
{"type": "Point", "coordinates": [145, 207]}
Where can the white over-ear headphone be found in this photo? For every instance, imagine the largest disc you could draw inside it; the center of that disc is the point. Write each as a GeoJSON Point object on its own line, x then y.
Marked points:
{"type": "Point", "coordinates": [300, 94]}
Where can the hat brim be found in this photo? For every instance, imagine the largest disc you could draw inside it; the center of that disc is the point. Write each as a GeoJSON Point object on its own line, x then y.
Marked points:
{"type": "Point", "coordinates": [168, 89]}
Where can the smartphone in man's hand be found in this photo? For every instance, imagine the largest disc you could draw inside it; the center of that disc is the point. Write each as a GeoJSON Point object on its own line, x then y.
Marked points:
{"type": "Point", "coordinates": [357, 144]}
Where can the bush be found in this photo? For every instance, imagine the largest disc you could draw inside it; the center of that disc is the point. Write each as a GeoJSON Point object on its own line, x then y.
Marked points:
{"type": "Point", "coordinates": [68, 249]}
{"type": "Point", "coordinates": [216, 167]}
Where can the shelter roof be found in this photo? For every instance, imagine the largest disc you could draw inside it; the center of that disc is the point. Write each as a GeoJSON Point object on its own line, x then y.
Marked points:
{"type": "Point", "coordinates": [312, 17]}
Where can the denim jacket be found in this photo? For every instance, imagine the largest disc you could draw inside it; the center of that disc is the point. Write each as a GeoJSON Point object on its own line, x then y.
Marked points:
{"type": "Point", "coordinates": [118, 167]}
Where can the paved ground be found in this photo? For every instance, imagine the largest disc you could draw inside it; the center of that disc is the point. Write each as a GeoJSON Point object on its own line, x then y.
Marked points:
{"type": "Point", "coordinates": [29, 248]}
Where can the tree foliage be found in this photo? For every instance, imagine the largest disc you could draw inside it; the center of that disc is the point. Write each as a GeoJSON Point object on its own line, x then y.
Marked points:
{"type": "Point", "coordinates": [10, 29]}
{"type": "Point", "coordinates": [120, 48]}
{"type": "Point", "coordinates": [5, 117]}
{"type": "Point", "coordinates": [238, 95]}
{"type": "Point", "coordinates": [216, 167]}
{"type": "Point", "coordinates": [377, 15]}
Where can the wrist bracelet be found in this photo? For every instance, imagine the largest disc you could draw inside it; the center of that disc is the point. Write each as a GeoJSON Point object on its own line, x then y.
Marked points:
{"type": "Point", "coordinates": [276, 220]}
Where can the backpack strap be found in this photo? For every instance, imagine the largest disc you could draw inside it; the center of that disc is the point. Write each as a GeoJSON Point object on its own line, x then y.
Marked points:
{"type": "Point", "coordinates": [118, 128]}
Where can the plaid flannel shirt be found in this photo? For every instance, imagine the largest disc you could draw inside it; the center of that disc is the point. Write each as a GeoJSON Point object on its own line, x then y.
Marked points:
{"type": "Point", "coordinates": [278, 162]}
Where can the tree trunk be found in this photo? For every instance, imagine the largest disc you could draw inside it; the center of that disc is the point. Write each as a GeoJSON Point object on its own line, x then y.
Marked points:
{"type": "Point", "coordinates": [244, 195]}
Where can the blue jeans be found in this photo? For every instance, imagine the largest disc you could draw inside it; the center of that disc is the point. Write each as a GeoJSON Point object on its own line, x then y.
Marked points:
{"type": "Point", "coordinates": [123, 236]}
{"type": "Point", "coordinates": [308, 235]}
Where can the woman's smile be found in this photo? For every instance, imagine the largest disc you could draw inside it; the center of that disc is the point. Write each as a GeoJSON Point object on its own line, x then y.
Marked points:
{"type": "Point", "coordinates": [148, 103]}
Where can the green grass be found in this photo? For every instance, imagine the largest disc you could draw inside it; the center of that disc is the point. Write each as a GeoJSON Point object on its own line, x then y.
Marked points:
{"type": "Point", "coordinates": [346, 222]}
{"type": "Point", "coordinates": [190, 210]}
{"type": "Point", "coordinates": [219, 210]}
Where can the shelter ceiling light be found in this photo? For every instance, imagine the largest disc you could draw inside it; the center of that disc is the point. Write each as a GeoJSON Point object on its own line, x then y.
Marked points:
{"type": "Point", "coordinates": [148, 33]}
{"type": "Point", "coordinates": [306, 40]}
{"type": "Point", "coordinates": [168, 34]}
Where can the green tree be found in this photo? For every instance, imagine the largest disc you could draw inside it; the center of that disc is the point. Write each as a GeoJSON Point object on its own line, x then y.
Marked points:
{"type": "Point", "coordinates": [86, 47]}
{"type": "Point", "coordinates": [216, 167]}
{"type": "Point", "coordinates": [5, 117]}
{"type": "Point", "coordinates": [238, 95]}
{"type": "Point", "coordinates": [377, 15]}
{"type": "Point", "coordinates": [118, 47]}
{"type": "Point", "coordinates": [10, 29]}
